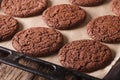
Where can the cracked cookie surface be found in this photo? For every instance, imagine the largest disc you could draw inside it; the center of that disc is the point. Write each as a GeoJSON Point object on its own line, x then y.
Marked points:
{"type": "Point", "coordinates": [87, 2]}
{"type": "Point", "coordinates": [116, 6]}
{"type": "Point", "coordinates": [85, 55]}
{"type": "Point", "coordinates": [23, 8]}
{"type": "Point", "coordinates": [8, 27]}
{"type": "Point", "coordinates": [64, 16]}
{"type": "Point", "coordinates": [105, 29]}
{"type": "Point", "coordinates": [38, 41]}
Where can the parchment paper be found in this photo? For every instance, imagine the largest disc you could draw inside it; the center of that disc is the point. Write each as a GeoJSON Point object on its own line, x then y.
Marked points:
{"type": "Point", "coordinates": [71, 35]}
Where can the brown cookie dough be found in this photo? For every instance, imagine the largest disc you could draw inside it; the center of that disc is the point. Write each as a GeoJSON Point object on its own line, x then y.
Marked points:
{"type": "Point", "coordinates": [87, 2]}
{"type": "Point", "coordinates": [105, 29]}
{"type": "Point", "coordinates": [116, 6]}
{"type": "Point", "coordinates": [38, 41]}
{"type": "Point", "coordinates": [23, 8]}
{"type": "Point", "coordinates": [85, 55]}
{"type": "Point", "coordinates": [8, 27]}
{"type": "Point", "coordinates": [64, 16]}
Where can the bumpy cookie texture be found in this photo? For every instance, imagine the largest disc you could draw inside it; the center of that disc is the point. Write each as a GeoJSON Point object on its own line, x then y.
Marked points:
{"type": "Point", "coordinates": [105, 29]}
{"type": "Point", "coordinates": [85, 55]}
{"type": "Point", "coordinates": [116, 6]}
{"type": "Point", "coordinates": [87, 2]}
{"type": "Point", "coordinates": [8, 27]}
{"type": "Point", "coordinates": [23, 8]}
{"type": "Point", "coordinates": [64, 16]}
{"type": "Point", "coordinates": [38, 41]}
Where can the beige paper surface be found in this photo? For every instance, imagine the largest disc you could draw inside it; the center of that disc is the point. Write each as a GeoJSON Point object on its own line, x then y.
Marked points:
{"type": "Point", "coordinates": [71, 35]}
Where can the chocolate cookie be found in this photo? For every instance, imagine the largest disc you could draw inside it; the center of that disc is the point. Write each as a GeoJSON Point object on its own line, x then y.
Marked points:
{"type": "Point", "coordinates": [8, 27]}
{"type": "Point", "coordinates": [64, 16]}
{"type": "Point", "coordinates": [85, 55]}
{"type": "Point", "coordinates": [105, 29]}
{"type": "Point", "coordinates": [87, 2]}
{"type": "Point", "coordinates": [116, 6]}
{"type": "Point", "coordinates": [38, 41]}
{"type": "Point", "coordinates": [23, 8]}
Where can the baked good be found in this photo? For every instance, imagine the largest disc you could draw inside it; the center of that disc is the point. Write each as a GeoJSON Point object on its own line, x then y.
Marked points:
{"type": "Point", "coordinates": [85, 55]}
{"type": "Point", "coordinates": [38, 41]}
{"type": "Point", "coordinates": [23, 8]}
{"type": "Point", "coordinates": [8, 27]}
{"type": "Point", "coordinates": [64, 16]}
{"type": "Point", "coordinates": [105, 29]}
{"type": "Point", "coordinates": [87, 2]}
{"type": "Point", "coordinates": [116, 6]}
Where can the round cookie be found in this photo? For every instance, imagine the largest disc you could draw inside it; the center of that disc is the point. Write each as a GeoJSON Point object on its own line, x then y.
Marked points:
{"type": "Point", "coordinates": [38, 41]}
{"type": "Point", "coordinates": [87, 2]}
{"type": "Point", "coordinates": [116, 6]}
{"type": "Point", "coordinates": [23, 8]}
{"type": "Point", "coordinates": [85, 55]}
{"type": "Point", "coordinates": [105, 29]}
{"type": "Point", "coordinates": [64, 16]}
{"type": "Point", "coordinates": [8, 27]}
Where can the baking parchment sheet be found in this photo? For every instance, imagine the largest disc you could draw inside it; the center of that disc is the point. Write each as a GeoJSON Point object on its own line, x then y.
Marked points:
{"type": "Point", "coordinates": [78, 33]}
